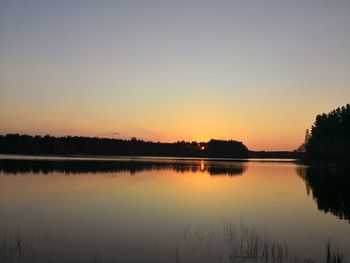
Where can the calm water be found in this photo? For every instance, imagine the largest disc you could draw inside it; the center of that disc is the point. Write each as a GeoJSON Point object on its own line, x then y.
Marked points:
{"type": "Point", "coordinates": [168, 210]}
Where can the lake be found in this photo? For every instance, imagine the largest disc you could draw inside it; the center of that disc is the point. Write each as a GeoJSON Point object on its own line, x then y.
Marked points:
{"type": "Point", "coordinates": [139, 209]}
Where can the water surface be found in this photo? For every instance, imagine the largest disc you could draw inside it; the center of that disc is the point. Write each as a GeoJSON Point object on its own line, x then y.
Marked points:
{"type": "Point", "coordinates": [169, 209]}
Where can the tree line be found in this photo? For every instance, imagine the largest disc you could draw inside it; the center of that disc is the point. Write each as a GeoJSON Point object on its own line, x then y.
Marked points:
{"type": "Point", "coordinates": [75, 145]}
{"type": "Point", "coordinates": [329, 138]}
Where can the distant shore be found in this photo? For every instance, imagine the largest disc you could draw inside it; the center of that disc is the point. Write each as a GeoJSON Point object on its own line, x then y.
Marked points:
{"type": "Point", "coordinates": [136, 158]}
{"type": "Point", "coordinates": [94, 146]}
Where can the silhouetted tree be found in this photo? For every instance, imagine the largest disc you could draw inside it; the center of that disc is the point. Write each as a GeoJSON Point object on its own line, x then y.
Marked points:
{"type": "Point", "coordinates": [49, 145]}
{"type": "Point", "coordinates": [330, 136]}
{"type": "Point", "coordinates": [222, 148]}
{"type": "Point", "coordinates": [302, 148]}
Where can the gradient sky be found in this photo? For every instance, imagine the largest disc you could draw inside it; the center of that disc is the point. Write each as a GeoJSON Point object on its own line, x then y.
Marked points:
{"type": "Point", "coordinates": [255, 71]}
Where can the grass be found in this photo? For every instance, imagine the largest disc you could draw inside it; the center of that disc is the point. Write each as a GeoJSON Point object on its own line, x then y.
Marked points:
{"type": "Point", "coordinates": [333, 256]}
{"type": "Point", "coordinates": [234, 243]}
{"type": "Point", "coordinates": [239, 243]}
{"type": "Point", "coordinates": [16, 247]}
{"type": "Point", "coordinates": [247, 244]}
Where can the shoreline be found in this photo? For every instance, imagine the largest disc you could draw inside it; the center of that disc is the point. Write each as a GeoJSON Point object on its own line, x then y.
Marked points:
{"type": "Point", "coordinates": [135, 158]}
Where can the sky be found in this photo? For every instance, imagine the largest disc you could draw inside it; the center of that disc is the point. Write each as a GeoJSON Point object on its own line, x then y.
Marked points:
{"type": "Point", "coordinates": [254, 71]}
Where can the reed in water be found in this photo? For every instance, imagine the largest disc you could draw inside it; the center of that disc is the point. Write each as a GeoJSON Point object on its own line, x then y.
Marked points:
{"type": "Point", "coordinates": [234, 243]}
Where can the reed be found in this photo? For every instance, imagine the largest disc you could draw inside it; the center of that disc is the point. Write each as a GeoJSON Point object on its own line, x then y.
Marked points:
{"type": "Point", "coordinates": [234, 243]}
{"type": "Point", "coordinates": [333, 256]}
{"type": "Point", "coordinates": [240, 243]}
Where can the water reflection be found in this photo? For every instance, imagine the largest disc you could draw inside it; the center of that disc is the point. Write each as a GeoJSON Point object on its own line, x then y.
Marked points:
{"type": "Point", "coordinates": [15, 166]}
{"type": "Point", "coordinates": [104, 210]}
{"type": "Point", "coordinates": [330, 187]}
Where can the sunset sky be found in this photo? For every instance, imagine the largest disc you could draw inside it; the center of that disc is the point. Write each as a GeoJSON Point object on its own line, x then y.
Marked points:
{"type": "Point", "coordinates": [254, 71]}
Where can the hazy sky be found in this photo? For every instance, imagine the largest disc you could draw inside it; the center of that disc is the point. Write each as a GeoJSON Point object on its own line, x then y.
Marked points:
{"type": "Point", "coordinates": [255, 71]}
